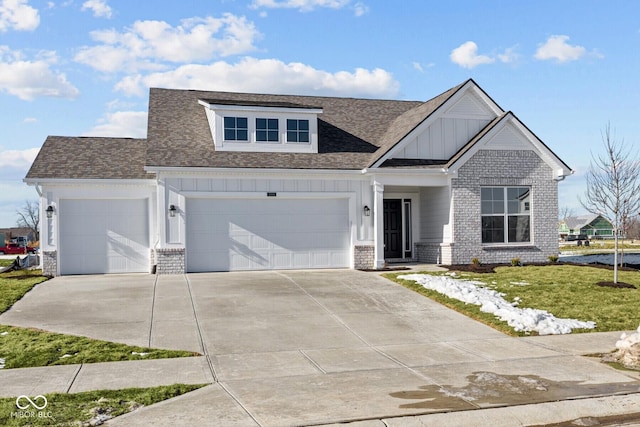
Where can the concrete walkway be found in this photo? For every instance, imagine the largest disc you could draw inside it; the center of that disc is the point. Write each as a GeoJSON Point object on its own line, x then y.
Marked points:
{"type": "Point", "coordinates": [314, 347]}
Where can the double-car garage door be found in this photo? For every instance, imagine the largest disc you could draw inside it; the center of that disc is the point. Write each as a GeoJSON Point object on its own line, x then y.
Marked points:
{"type": "Point", "coordinates": [226, 234]}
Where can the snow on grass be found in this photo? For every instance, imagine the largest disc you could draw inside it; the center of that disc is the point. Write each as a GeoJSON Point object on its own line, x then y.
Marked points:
{"type": "Point", "coordinates": [491, 301]}
{"type": "Point", "coordinates": [2, 363]}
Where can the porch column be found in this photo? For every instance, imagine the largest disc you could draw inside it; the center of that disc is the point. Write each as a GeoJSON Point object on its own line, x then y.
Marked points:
{"type": "Point", "coordinates": [378, 223]}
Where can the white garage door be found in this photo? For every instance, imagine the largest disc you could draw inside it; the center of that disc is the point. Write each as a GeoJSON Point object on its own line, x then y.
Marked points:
{"type": "Point", "coordinates": [265, 234]}
{"type": "Point", "coordinates": [104, 236]}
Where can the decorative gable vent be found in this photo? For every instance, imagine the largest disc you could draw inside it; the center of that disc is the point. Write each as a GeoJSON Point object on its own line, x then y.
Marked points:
{"type": "Point", "coordinates": [508, 138]}
{"type": "Point", "coordinates": [470, 106]}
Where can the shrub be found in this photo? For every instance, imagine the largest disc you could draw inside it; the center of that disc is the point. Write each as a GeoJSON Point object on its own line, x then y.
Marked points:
{"type": "Point", "coordinates": [553, 259]}
{"type": "Point", "coordinates": [475, 261]}
{"type": "Point", "coordinates": [515, 262]}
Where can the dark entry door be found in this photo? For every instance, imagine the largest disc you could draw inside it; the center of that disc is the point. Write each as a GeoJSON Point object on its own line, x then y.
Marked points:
{"type": "Point", "coordinates": [392, 228]}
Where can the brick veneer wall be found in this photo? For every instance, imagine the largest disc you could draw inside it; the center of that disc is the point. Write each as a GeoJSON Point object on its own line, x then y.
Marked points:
{"type": "Point", "coordinates": [434, 253]}
{"type": "Point", "coordinates": [49, 263]}
{"type": "Point", "coordinates": [170, 261]}
{"type": "Point", "coordinates": [504, 168]}
{"type": "Point", "coordinates": [364, 257]}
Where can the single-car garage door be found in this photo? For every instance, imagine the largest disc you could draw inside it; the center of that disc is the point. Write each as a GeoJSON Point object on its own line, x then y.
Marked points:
{"type": "Point", "coordinates": [103, 236]}
{"type": "Point", "coordinates": [265, 234]}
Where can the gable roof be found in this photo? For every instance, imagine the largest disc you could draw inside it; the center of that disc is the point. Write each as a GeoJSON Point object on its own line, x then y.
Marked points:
{"type": "Point", "coordinates": [581, 221]}
{"type": "Point", "coordinates": [90, 158]}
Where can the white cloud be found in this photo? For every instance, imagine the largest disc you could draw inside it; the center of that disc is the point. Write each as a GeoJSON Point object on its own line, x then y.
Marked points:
{"type": "Point", "coordinates": [303, 5]}
{"type": "Point", "coordinates": [267, 75]}
{"type": "Point", "coordinates": [131, 124]}
{"type": "Point", "coordinates": [360, 9]}
{"type": "Point", "coordinates": [149, 45]}
{"type": "Point", "coordinates": [100, 8]}
{"type": "Point", "coordinates": [18, 159]}
{"type": "Point", "coordinates": [509, 55]}
{"type": "Point", "coordinates": [466, 55]}
{"type": "Point", "coordinates": [30, 79]}
{"type": "Point", "coordinates": [557, 48]}
{"type": "Point", "coordinates": [18, 15]}
{"type": "Point", "coordinates": [417, 66]}
{"type": "Point", "coordinates": [30, 120]}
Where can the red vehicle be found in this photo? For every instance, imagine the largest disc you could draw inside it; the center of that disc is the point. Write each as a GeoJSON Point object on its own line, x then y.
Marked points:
{"type": "Point", "coordinates": [15, 249]}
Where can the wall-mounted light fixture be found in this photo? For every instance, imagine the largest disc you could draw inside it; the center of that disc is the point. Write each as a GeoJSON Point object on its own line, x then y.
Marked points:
{"type": "Point", "coordinates": [367, 211]}
{"type": "Point", "coordinates": [172, 211]}
{"type": "Point", "coordinates": [49, 211]}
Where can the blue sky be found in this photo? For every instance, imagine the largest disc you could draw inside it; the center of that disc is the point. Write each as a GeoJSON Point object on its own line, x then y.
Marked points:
{"type": "Point", "coordinates": [83, 67]}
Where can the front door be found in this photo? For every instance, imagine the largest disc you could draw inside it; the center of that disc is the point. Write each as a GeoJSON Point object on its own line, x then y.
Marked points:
{"type": "Point", "coordinates": [392, 228]}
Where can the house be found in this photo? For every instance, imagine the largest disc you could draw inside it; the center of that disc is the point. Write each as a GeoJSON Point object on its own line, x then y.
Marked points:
{"type": "Point", "coordinates": [593, 226]}
{"type": "Point", "coordinates": [239, 181]}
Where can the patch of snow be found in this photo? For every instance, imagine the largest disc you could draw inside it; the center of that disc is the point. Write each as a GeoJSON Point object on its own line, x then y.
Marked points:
{"type": "Point", "coordinates": [2, 363]}
{"type": "Point", "coordinates": [64, 356]}
{"type": "Point", "coordinates": [628, 349]}
{"type": "Point", "coordinates": [139, 354]}
{"type": "Point", "coordinates": [519, 283]}
{"type": "Point", "coordinates": [491, 301]}
{"type": "Point", "coordinates": [4, 333]}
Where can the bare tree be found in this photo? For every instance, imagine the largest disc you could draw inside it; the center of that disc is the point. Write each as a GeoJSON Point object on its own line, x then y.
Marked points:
{"type": "Point", "coordinates": [29, 217]}
{"type": "Point", "coordinates": [613, 188]}
{"type": "Point", "coordinates": [565, 212]}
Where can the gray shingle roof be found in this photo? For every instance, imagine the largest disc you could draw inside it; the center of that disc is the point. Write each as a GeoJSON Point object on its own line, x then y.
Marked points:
{"type": "Point", "coordinates": [353, 134]}
{"type": "Point", "coordinates": [90, 158]}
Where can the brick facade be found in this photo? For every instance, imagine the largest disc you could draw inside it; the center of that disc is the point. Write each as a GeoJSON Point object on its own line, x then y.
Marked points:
{"type": "Point", "coordinates": [504, 168]}
{"type": "Point", "coordinates": [170, 261]}
{"type": "Point", "coordinates": [434, 253]}
{"type": "Point", "coordinates": [364, 257]}
{"type": "Point", "coordinates": [50, 263]}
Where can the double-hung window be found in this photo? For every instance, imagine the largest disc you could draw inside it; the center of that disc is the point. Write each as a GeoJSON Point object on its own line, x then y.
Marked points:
{"type": "Point", "coordinates": [236, 129]}
{"type": "Point", "coordinates": [506, 214]}
{"type": "Point", "coordinates": [267, 130]}
{"type": "Point", "coordinates": [297, 130]}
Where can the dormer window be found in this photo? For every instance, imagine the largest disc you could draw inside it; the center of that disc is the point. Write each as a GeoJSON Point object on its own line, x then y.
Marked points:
{"type": "Point", "coordinates": [262, 126]}
{"type": "Point", "coordinates": [236, 129]}
{"type": "Point", "coordinates": [267, 130]}
{"type": "Point", "coordinates": [297, 130]}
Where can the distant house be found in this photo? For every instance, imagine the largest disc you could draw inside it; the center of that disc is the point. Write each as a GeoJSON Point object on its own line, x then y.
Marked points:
{"type": "Point", "coordinates": [588, 225]}
{"type": "Point", "coordinates": [6, 234]}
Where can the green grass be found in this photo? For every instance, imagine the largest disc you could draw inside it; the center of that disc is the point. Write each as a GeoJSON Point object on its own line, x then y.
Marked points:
{"type": "Point", "coordinates": [76, 409]}
{"type": "Point", "coordinates": [27, 347]}
{"type": "Point", "coordinates": [14, 284]}
{"type": "Point", "coordinates": [5, 262]}
{"type": "Point", "coordinates": [566, 291]}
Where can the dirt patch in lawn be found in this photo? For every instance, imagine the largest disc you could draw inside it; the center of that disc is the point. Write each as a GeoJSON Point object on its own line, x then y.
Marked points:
{"type": "Point", "coordinates": [619, 285]}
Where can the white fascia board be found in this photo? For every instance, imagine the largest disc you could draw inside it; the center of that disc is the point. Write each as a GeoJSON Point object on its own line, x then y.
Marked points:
{"type": "Point", "coordinates": [258, 108]}
{"type": "Point", "coordinates": [73, 181]}
{"type": "Point", "coordinates": [438, 113]}
{"type": "Point", "coordinates": [253, 172]}
{"type": "Point", "coordinates": [415, 177]}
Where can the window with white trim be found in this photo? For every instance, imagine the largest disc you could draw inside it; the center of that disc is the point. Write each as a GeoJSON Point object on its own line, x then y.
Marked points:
{"type": "Point", "coordinates": [297, 130]}
{"type": "Point", "coordinates": [236, 129]}
{"type": "Point", "coordinates": [506, 214]}
{"type": "Point", "coordinates": [267, 130]}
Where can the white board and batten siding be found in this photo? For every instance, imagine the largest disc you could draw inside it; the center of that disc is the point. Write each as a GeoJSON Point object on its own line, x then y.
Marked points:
{"type": "Point", "coordinates": [99, 236]}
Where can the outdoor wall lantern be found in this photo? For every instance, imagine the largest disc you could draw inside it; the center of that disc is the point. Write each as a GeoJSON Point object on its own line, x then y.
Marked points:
{"type": "Point", "coordinates": [367, 211]}
{"type": "Point", "coordinates": [172, 211]}
{"type": "Point", "coordinates": [49, 211]}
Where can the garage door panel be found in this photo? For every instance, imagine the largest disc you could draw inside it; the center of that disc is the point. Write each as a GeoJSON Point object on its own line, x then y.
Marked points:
{"type": "Point", "coordinates": [104, 236]}
{"type": "Point", "coordinates": [258, 234]}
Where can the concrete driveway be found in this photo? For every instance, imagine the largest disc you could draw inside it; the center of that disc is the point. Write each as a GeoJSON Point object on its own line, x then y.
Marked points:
{"type": "Point", "coordinates": [313, 347]}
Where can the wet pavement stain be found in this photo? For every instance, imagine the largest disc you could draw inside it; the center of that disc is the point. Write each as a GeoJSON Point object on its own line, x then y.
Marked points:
{"type": "Point", "coordinates": [485, 389]}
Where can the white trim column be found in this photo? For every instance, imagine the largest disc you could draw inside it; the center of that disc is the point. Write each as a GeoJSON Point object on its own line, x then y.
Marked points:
{"type": "Point", "coordinates": [378, 223]}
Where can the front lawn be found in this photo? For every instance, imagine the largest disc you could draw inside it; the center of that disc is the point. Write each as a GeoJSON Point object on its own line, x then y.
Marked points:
{"type": "Point", "coordinates": [27, 347]}
{"type": "Point", "coordinates": [87, 408]}
{"type": "Point", "coordinates": [566, 291]}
